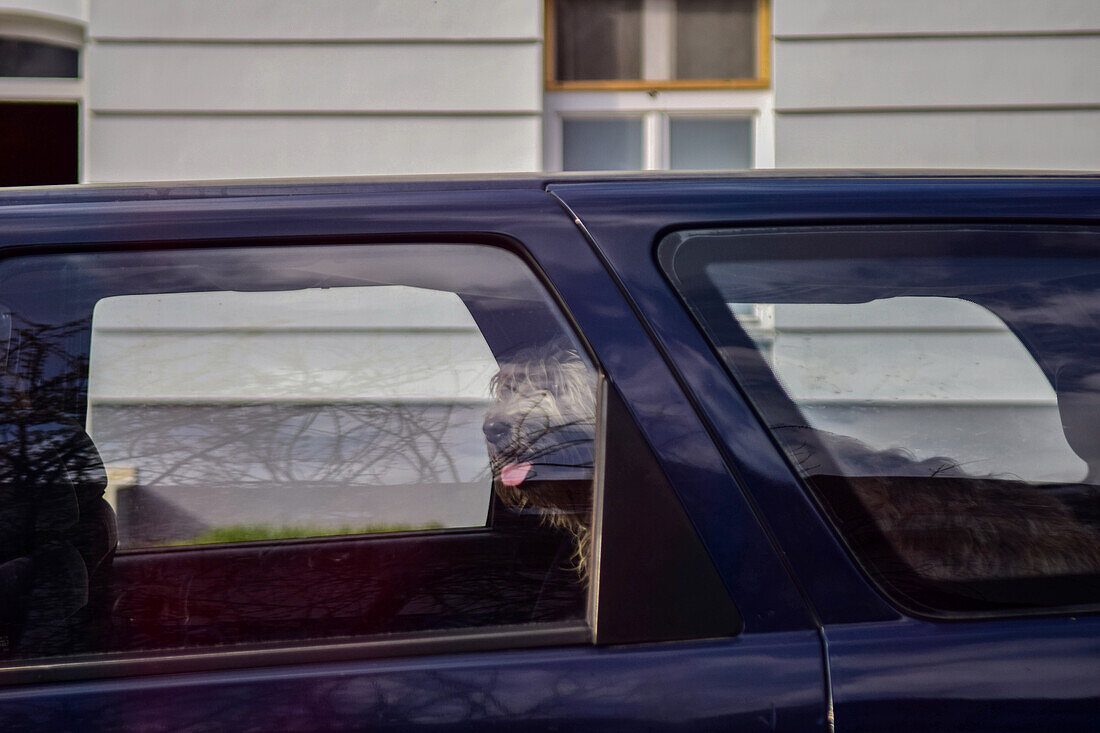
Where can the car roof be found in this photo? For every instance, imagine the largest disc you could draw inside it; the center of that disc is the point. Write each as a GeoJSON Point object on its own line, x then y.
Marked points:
{"type": "Point", "coordinates": [167, 190]}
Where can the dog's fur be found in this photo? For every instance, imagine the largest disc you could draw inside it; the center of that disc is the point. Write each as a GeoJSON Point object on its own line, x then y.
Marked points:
{"type": "Point", "coordinates": [967, 529]}
{"type": "Point", "coordinates": [542, 420]}
{"type": "Point", "coordinates": [952, 526]}
{"type": "Point", "coordinates": [945, 524]}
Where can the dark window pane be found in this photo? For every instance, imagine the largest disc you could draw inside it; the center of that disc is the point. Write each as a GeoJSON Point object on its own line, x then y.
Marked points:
{"type": "Point", "coordinates": [32, 58]}
{"type": "Point", "coordinates": [598, 39]}
{"type": "Point", "coordinates": [938, 392]}
{"type": "Point", "coordinates": [38, 144]}
{"type": "Point", "coordinates": [602, 145]}
{"type": "Point", "coordinates": [715, 39]}
{"type": "Point", "coordinates": [710, 144]}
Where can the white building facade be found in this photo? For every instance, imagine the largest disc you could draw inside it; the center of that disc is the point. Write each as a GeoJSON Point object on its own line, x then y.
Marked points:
{"type": "Point", "coordinates": [201, 89]}
{"type": "Point", "coordinates": [942, 83]}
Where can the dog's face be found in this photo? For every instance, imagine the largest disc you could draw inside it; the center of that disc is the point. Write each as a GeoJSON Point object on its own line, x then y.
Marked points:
{"type": "Point", "coordinates": [540, 431]}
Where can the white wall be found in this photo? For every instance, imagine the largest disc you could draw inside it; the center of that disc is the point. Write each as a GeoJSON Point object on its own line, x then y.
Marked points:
{"type": "Point", "coordinates": [183, 89]}
{"type": "Point", "coordinates": [976, 84]}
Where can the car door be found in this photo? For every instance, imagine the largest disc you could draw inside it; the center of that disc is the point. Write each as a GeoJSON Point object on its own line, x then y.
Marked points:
{"type": "Point", "coordinates": [900, 372]}
{"type": "Point", "coordinates": [271, 463]}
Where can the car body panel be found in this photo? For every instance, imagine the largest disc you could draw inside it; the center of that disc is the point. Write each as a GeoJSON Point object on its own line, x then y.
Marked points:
{"type": "Point", "coordinates": [887, 672]}
{"type": "Point", "coordinates": [763, 682]}
{"type": "Point", "coordinates": [821, 648]}
{"type": "Point", "coordinates": [543, 688]}
{"type": "Point", "coordinates": [1014, 675]}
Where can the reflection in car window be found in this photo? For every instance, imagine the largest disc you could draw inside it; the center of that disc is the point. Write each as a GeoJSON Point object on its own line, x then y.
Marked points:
{"type": "Point", "coordinates": [939, 405]}
{"type": "Point", "coordinates": [275, 445]}
{"type": "Point", "coordinates": [263, 415]}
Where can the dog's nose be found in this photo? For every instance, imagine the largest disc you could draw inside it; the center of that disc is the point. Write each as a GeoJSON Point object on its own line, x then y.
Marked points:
{"type": "Point", "coordinates": [496, 431]}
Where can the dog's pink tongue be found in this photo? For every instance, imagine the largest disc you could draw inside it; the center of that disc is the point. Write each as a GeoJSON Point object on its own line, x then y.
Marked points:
{"type": "Point", "coordinates": [514, 473]}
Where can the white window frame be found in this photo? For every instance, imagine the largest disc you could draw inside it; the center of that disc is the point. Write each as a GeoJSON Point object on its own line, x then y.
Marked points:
{"type": "Point", "coordinates": [656, 101]}
{"type": "Point", "coordinates": [58, 32]}
{"type": "Point", "coordinates": [655, 108]}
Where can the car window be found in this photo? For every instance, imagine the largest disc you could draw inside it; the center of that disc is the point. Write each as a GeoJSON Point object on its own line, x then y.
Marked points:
{"type": "Point", "coordinates": [295, 444]}
{"type": "Point", "coordinates": [265, 415]}
{"type": "Point", "coordinates": [934, 388]}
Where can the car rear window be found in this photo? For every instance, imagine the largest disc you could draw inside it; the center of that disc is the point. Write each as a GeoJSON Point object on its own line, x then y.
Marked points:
{"type": "Point", "coordinates": [935, 388]}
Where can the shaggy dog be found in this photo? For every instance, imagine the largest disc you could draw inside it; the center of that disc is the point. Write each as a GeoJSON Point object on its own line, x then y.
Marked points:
{"type": "Point", "coordinates": [539, 431]}
{"type": "Point", "coordinates": [940, 522]}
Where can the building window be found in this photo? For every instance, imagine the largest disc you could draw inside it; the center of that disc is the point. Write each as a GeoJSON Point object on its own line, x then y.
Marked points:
{"type": "Point", "coordinates": [657, 44]}
{"type": "Point", "coordinates": [38, 143]}
{"type": "Point", "coordinates": [697, 143]}
{"type": "Point", "coordinates": [40, 96]}
{"type": "Point", "coordinates": [36, 59]}
{"type": "Point", "coordinates": [657, 141]}
{"type": "Point", "coordinates": [602, 143]}
{"type": "Point", "coordinates": [947, 428]}
{"type": "Point", "coordinates": [657, 85]}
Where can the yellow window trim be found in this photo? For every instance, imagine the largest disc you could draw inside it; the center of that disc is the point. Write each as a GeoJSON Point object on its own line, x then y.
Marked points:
{"type": "Point", "coordinates": [761, 81]}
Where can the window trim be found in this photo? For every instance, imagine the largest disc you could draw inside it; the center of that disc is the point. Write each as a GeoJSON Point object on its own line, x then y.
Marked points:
{"type": "Point", "coordinates": [762, 80]}
{"type": "Point", "coordinates": [569, 633]}
{"type": "Point", "coordinates": [410, 645]}
{"type": "Point", "coordinates": [655, 111]}
{"type": "Point", "coordinates": [576, 635]}
{"type": "Point", "coordinates": [670, 244]}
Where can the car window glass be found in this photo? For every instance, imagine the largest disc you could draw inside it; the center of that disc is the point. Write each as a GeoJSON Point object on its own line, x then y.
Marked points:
{"type": "Point", "coordinates": [259, 415]}
{"type": "Point", "coordinates": [935, 390]}
{"type": "Point", "coordinates": [929, 374]}
{"type": "Point", "coordinates": [266, 446]}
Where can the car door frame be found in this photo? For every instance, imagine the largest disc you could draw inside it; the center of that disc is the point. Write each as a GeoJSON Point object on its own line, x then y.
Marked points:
{"type": "Point", "coordinates": [887, 670]}
{"type": "Point", "coordinates": [771, 672]}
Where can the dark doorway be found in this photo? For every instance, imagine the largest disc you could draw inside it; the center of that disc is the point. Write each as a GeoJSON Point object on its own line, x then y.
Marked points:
{"type": "Point", "coordinates": [38, 143]}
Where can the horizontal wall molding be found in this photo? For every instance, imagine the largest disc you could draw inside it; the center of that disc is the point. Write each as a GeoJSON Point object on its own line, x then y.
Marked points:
{"type": "Point", "coordinates": [915, 36]}
{"type": "Point", "coordinates": [931, 109]}
{"type": "Point", "coordinates": [337, 41]}
{"type": "Point", "coordinates": [401, 113]}
{"type": "Point", "coordinates": [829, 17]}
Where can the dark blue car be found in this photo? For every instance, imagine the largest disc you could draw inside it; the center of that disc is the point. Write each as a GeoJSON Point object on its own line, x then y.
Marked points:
{"type": "Point", "coordinates": [779, 452]}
